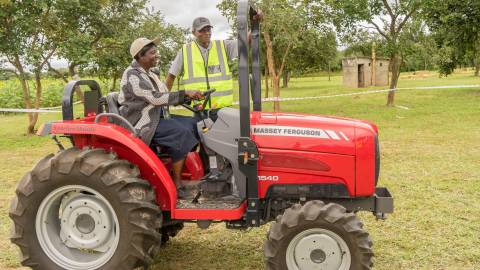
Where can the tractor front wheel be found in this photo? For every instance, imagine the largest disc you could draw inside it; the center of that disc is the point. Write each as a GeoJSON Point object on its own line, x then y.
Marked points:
{"type": "Point", "coordinates": [85, 209]}
{"type": "Point", "coordinates": [318, 236]}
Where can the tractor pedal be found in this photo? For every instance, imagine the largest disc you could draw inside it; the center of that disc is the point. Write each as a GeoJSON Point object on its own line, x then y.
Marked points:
{"type": "Point", "coordinates": [195, 199]}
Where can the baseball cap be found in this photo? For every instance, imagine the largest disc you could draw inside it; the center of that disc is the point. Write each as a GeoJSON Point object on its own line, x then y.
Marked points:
{"type": "Point", "coordinates": [139, 43]}
{"type": "Point", "coordinates": [199, 23]}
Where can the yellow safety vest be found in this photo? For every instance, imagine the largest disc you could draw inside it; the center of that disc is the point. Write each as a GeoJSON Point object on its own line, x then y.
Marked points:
{"type": "Point", "coordinates": [215, 74]}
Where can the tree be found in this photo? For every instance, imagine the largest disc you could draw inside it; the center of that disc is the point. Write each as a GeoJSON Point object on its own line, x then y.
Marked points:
{"type": "Point", "coordinates": [85, 23]}
{"type": "Point", "coordinates": [25, 41]}
{"type": "Point", "coordinates": [112, 54]}
{"type": "Point", "coordinates": [315, 50]}
{"type": "Point", "coordinates": [283, 23]}
{"type": "Point", "coordinates": [362, 44]}
{"type": "Point", "coordinates": [387, 17]}
{"type": "Point", "coordinates": [89, 27]}
{"type": "Point", "coordinates": [455, 24]}
{"type": "Point", "coordinates": [419, 51]}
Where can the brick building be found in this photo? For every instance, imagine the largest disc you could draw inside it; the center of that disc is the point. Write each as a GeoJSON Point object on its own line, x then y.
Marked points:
{"type": "Point", "coordinates": [358, 72]}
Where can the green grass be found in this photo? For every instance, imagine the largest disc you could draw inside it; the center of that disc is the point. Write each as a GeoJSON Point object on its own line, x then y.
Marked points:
{"type": "Point", "coordinates": [430, 162]}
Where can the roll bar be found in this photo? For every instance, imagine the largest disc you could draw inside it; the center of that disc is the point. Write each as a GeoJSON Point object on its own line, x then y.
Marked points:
{"type": "Point", "coordinates": [256, 74]}
{"type": "Point", "coordinates": [247, 148]}
{"type": "Point", "coordinates": [246, 83]}
{"type": "Point", "coordinates": [92, 98]}
{"type": "Point", "coordinates": [243, 68]}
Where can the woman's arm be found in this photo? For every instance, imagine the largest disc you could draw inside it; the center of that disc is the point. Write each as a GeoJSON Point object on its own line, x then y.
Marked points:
{"type": "Point", "coordinates": [157, 98]}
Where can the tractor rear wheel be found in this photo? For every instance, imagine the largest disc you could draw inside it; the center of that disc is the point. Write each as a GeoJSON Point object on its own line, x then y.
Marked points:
{"type": "Point", "coordinates": [85, 209]}
{"type": "Point", "coordinates": [318, 236]}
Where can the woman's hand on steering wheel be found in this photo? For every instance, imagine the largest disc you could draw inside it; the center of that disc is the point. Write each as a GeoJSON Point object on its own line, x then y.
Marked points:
{"type": "Point", "coordinates": [194, 95]}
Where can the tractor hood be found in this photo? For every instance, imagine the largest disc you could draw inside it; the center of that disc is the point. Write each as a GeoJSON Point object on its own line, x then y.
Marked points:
{"type": "Point", "coordinates": [312, 133]}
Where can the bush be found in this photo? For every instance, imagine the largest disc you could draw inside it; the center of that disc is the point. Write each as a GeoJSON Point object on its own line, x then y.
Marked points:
{"type": "Point", "coordinates": [11, 94]}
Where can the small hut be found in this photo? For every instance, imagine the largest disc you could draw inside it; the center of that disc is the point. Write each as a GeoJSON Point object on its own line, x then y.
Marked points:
{"type": "Point", "coordinates": [361, 72]}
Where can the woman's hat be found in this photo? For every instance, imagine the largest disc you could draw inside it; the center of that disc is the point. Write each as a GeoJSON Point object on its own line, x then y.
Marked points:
{"type": "Point", "coordinates": [139, 43]}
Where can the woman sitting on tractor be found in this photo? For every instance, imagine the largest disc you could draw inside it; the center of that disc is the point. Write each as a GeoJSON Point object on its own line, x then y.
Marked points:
{"type": "Point", "coordinates": [144, 101]}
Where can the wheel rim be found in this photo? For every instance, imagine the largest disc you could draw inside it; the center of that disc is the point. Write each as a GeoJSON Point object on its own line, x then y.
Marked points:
{"type": "Point", "coordinates": [77, 228]}
{"type": "Point", "coordinates": [318, 248]}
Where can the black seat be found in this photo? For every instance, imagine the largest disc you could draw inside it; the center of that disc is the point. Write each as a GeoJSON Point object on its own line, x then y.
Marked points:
{"type": "Point", "coordinates": [112, 103]}
{"type": "Point", "coordinates": [113, 107]}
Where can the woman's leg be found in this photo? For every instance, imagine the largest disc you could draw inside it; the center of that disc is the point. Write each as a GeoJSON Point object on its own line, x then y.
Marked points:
{"type": "Point", "coordinates": [177, 168]}
{"type": "Point", "coordinates": [178, 140]}
{"type": "Point", "coordinates": [188, 122]}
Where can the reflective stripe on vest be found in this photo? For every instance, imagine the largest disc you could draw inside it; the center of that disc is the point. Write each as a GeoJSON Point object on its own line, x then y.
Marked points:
{"type": "Point", "coordinates": [195, 72]}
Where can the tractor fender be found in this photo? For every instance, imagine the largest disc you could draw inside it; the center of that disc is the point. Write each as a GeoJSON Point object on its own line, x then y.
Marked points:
{"type": "Point", "coordinates": [127, 146]}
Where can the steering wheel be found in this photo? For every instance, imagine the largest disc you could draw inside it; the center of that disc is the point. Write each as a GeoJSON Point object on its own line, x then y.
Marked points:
{"type": "Point", "coordinates": [199, 108]}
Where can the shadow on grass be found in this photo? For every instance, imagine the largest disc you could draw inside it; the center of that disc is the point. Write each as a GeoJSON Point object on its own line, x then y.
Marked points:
{"type": "Point", "coordinates": [216, 248]}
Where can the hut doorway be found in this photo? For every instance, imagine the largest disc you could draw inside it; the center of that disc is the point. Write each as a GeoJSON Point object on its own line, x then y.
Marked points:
{"type": "Point", "coordinates": [361, 76]}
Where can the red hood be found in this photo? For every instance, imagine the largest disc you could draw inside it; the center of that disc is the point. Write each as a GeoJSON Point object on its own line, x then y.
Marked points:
{"type": "Point", "coordinates": [304, 132]}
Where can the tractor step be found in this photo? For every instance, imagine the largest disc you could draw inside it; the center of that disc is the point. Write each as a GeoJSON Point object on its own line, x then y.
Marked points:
{"type": "Point", "coordinates": [229, 202]}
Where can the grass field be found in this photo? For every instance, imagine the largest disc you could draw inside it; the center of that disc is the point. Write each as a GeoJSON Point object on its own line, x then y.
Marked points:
{"type": "Point", "coordinates": [430, 149]}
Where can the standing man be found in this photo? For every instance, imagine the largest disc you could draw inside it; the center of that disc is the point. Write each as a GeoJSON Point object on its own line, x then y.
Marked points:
{"type": "Point", "coordinates": [203, 65]}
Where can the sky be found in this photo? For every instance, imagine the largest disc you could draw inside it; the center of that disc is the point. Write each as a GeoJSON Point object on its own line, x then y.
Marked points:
{"type": "Point", "coordinates": [182, 13]}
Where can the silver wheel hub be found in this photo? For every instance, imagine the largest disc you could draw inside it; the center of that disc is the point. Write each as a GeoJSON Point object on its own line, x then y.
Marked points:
{"type": "Point", "coordinates": [318, 249]}
{"type": "Point", "coordinates": [77, 228]}
{"type": "Point", "coordinates": [85, 223]}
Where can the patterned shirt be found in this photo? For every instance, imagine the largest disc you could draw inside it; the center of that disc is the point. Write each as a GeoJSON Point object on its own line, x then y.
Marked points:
{"type": "Point", "coordinates": [142, 97]}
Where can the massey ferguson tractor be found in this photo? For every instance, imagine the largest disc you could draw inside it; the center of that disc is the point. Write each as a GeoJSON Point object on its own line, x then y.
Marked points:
{"type": "Point", "coordinates": [108, 201]}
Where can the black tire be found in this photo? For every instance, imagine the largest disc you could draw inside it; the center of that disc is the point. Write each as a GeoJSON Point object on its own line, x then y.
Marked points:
{"type": "Point", "coordinates": [315, 214]}
{"type": "Point", "coordinates": [131, 198]}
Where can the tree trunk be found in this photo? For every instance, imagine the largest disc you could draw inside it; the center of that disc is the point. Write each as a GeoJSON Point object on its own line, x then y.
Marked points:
{"type": "Point", "coordinates": [38, 96]}
{"type": "Point", "coordinates": [276, 93]}
{"type": "Point", "coordinates": [395, 75]}
{"type": "Point", "coordinates": [329, 70]}
{"type": "Point", "coordinates": [78, 91]}
{"type": "Point", "coordinates": [271, 70]}
{"type": "Point", "coordinates": [266, 82]}
{"type": "Point", "coordinates": [476, 62]}
{"type": "Point", "coordinates": [115, 77]}
{"type": "Point", "coordinates": [286, 78]}
{"type": "Point", "coordinates": [25, 89]}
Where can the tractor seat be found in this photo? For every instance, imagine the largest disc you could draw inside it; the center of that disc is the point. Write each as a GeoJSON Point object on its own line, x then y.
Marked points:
{"type": "Point", "coordinates": [113, 107]}
{"type": "Point", "coordinates": [112, 103]}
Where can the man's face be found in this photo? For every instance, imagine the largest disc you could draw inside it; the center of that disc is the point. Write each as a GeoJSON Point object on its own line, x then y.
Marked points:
{"type": "Point", "coordinates": [203, 35]}
{"type": "Point", "coordinates": [150, 58]}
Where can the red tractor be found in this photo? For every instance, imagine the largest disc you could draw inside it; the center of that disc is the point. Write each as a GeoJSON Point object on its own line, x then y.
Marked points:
{"type": "Point", "coordinates": [109, 201]}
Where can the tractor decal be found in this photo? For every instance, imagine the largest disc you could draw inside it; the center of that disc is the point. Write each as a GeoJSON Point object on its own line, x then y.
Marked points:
{"type": "Point", "coordinates": [73, 129]}
{"type": "Point", "coordinates": [265, 130]}
{"type": "Point", "coordinates": [273, 178]}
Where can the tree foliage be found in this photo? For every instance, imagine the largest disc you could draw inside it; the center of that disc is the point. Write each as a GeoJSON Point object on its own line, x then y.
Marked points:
{"type": "Point", "coordinates": [288, 32]}
{"type": "Point", "coordinates": [315, 50]}
{"type": "Point", "coordinates": [112, 54]}
{"type": "Point", "coordinates": [456, 27]}
{"type": "Point", "coordinates": [26, 41]}
{"type": "Point", "coordinates": [87, 33]}
{"type": "Point", "coordinates": [386, 17]}
{"type": "Point", "coordinates": [419, 51]}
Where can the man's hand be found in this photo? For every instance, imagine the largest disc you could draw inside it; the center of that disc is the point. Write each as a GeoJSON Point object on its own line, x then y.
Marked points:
{"type": "Point", "coordinates": [169, 81]}
{"type": "Point", "coordinates": [195, 95]}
